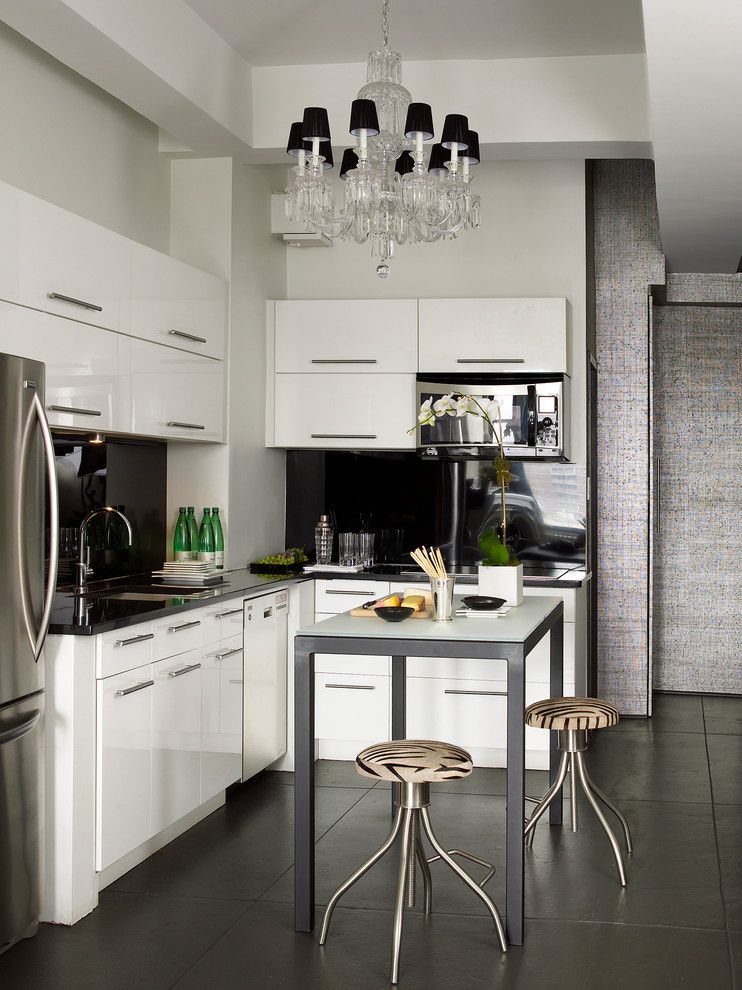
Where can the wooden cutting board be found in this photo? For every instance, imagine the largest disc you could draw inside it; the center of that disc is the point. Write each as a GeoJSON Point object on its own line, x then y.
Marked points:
{"type": "Point", "coordinates": [361, 612]}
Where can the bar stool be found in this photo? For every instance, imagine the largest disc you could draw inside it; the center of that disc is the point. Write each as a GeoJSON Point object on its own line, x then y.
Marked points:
{"type": "Point", "coordinates": [572, 718]}
{"type": "Point", "coordinates": [413, 765]}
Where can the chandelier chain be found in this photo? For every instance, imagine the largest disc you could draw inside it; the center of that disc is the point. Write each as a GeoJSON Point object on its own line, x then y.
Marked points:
{"type": "Point", "coordinates": [385, 21]}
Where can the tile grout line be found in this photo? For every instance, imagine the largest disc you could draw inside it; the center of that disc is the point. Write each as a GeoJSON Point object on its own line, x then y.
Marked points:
{"type": "Point", "coordinates": [716, 843]}
{"type": "Point", "coordinates": [213, 945]}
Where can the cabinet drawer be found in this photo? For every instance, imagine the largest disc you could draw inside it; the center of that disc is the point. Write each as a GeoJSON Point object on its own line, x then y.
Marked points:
{"type": "Point", "coordinates": [483, 335]}
{"type": "Point", "coordinates": [345, 412]}
{"type": "Point", "coordinates": [567, 596]}
{"type": "Point", "coordinates": [176, 634]}
{"type": "Point", "coordinates": [351, 706]}
{"type": "Point", "coordinates": [176, 395]}
{"type": "Point", "coordinates": [334, 597]}
{"type": "Point", "coordinates": [86, 384]}
{"type": "Point", "coordinates": [124, 649]}
{"type": "Point", "coordinates": [123, 764]}
{"type": "Point", "coordinates": [223, 621]}
{"type": "Point", "coordinates": [176, 304]}
{"type": "Point", "coordinates": [221, 717]}
{"type": "Point", "coordinates": [63, 255]}
{"type": "Point", "coordinates": [346, 663]}
{"type": "Point", "coordinates": [348, 336]}
{"type": "Point", "coordinates": [226, 655]}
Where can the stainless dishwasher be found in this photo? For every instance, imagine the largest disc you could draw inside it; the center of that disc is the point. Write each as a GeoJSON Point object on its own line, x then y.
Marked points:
{"type": "Point", "coordinates": [264, 697]}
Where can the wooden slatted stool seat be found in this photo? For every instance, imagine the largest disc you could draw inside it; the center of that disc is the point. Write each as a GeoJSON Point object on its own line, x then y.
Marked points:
{"type": "Point", "coordinates": [413, 765]}
{"type": "Point", "coordinates": [573, 718]}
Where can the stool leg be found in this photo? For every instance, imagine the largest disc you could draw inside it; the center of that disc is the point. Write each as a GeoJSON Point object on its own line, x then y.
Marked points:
{"type": "Point", "coordinates": [546, 800]}
{"type": "Point", "coordinates": [404, 858]}
{"type": "Point", "coordinates": [601, 817]}
{"type": "Point", "coordinates": [381, 851]}
{"type": "Point", "coordinates": [609, 804]}
{"type": "Point", "coordinates": [425, 870]}
{"type": "Point", "coordinates": [573, 790]}
{"type": "Point", "coordinates": [463, 875]}
{"type": "Point", "coordinates": [411, 863]}
{"type": "Point", "coordinates": [472, 859]}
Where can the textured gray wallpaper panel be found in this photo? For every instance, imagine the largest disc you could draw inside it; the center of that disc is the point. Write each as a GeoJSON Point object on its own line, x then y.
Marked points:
{"type": "Point", "coordinates": [628, 257]}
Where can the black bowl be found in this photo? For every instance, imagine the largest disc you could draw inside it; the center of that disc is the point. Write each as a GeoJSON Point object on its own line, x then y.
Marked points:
{"type": "Point", "coordinates": [394, 613]}
{"type": "Point", "coordinates": [483, 603]}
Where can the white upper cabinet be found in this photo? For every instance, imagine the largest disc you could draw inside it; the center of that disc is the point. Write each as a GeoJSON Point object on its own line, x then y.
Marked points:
{"type": "Point", "coordinates": [343, 411]}
{"type": "Point", "coordinates": [175, 394]}
{"type": "Point", "coordinates": [173, 303]}
{"type": "Point", "coordinates": [55, 261]}
{"type": "Point", "coordinates": [86, 381]}
{"type": "Point", "coordinates": [342, 335]}
{"type": "Point", "coordinates": [490, 335]}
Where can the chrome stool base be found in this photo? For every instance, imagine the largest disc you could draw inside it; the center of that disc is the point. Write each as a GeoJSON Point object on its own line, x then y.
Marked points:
{"type": "Point", "coordinates": [412, 820]}
{"type": "Point", "coordinates": [573, 743]}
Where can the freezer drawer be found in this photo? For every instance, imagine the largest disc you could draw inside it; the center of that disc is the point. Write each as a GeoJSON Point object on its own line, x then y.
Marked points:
{"type": "Point", "coordinates": [264, 673]}
{"type": "Point", "coordinates": [21, 801]}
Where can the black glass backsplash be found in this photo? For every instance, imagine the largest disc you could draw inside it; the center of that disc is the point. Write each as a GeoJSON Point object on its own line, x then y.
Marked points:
{"type": "Point", "coordinates": [448, 503]}
{"type": "Point", "coordinates": [130, 475]}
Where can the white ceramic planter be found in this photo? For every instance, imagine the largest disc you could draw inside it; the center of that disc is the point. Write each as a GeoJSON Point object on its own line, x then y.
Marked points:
{"type": "Point", "coordinates": [502, 582]}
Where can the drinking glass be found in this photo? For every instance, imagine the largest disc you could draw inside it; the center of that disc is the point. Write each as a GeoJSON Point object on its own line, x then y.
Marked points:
{"type": "Point", "coordinates": [366, 549]}
{"type": "Point", "coordinates": [348, 549]}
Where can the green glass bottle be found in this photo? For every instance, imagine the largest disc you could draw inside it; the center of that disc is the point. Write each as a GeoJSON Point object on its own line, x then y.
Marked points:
{"type": "Point", "coordinates": [206, 539]}
{"type": "Point", "coordinates": [216, 525]}
{"type": "Point", "coordinates": [182, 538]}
{"type": "Point", "coordinates": [193, 530]}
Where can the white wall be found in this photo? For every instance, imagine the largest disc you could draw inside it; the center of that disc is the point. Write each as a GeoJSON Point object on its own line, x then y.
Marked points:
{"type": "Point", "coordinates": [67, 141]}
{"type": "Point", "coordinates": [531, 243]}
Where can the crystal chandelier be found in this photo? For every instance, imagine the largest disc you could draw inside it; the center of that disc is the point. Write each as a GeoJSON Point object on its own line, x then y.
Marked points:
{"type": "Point", "coordinates": [391, 196]}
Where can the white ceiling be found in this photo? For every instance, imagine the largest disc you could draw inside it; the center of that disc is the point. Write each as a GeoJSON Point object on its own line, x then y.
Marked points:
{"type": "Point", "coordinates": [304, 32]}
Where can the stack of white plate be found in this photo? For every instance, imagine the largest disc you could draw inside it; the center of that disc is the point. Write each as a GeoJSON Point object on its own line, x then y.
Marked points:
{"type": "Point", "coordinates": [182, 573]}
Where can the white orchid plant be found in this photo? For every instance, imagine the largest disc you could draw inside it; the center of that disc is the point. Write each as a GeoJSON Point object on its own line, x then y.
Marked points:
{"type": "Point", "coordinates": [493, 546]}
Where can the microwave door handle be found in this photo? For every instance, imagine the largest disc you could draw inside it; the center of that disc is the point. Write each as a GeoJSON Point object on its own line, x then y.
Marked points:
{"type": "Point", "coordinates": [532, 416]}
{"type": "Point", "coordinates": [38, 416]}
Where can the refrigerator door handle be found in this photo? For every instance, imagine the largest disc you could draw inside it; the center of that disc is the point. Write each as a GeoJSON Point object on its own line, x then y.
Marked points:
{"type": "Point", "coordinates": [37, 414]}
{"type": "Point", "coordinates": [21, 728]}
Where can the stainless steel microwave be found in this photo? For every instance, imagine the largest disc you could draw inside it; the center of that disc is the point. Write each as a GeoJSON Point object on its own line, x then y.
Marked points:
{"type": "Point", "coordinates": [534, 411]}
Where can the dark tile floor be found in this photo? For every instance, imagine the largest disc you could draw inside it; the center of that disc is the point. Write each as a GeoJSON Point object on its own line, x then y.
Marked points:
{"type": "Point", "coordinates": [213, 909]}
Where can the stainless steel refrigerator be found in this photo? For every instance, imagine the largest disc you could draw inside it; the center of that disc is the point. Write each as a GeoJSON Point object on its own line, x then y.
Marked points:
{"type": "Point", "coordinates": [27, 583]}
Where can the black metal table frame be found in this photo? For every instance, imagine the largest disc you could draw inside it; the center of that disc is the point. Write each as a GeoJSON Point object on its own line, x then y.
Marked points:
{"type": "Point", "coordinates": [515, 653]}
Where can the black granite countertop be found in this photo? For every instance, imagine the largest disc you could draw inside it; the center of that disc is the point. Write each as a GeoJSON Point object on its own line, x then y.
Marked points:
{"type": "Point", "coordinates": [99, 612]}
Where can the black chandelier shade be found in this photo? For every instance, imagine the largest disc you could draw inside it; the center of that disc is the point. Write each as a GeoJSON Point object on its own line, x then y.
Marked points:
{"type": "Point", "coordinates": [419, 121]}
{"type": "Point", "coordinates": [326, 151]}
{"type": "Point", "coordinates": [455, 131]}
{"type": "Point", "coordinates": [296, 142]}
{"type": "Point", "coordinates": [438, 158]}
{"type": "Point", "coordinates": [350, 160]}
{"type": "Point", "coordinates": [405, 163]}
{"type": "Point", "coordinates": [472, 152]}
{"type": "Point", "coordinates": [315, 124]}
{"type": "Point", "coordinates": [363, 116]}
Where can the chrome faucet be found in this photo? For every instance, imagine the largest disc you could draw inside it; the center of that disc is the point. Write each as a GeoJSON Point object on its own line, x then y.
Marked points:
{"type": "Point", "coordinates": [82, 568]}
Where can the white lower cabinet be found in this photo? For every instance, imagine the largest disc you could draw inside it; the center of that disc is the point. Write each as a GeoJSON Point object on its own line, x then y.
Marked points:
{"type": "Point", "coordinates": [221, 716]}
{"type": "Point", "coordinates": [351, 707]}
{"type": "Point", "coordinates": [176, 738]}
{"type": "Point", "coordinates": [124, 763]}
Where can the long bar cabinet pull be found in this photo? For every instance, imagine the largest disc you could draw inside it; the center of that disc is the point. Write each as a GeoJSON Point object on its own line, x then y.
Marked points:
{"type": "Point", "coordinates": [132, 690]}
{"type": "Point", "coordinates": [343, 436]}
{"type": "Point", "coordinates": [344, 361]}
{"type": "Point", "coordinates": [353, 687]}
{"type": "Point", "coordinates": [227, 653]}
{"type": "Point", "coordinates": [188, 336]}
{"type": "Point", "coordinates": [232, 611]}
{"type": "Point", "coordinates": [490, 361]}
{"type": "Point", "coordinates": [184, 625]}
{"type": "Point", "coordinates": [484, 694]}
{"type": "Point", "coordinates": [76, 302]}
{"type": "Point", "coordinates": [184, 670]}
{"type": "Point", "coordinates": [75, 410]}
{"type": "Point", "coordinates": [134, 639]}
{"type": "Point", "coordinates": [186, 426]}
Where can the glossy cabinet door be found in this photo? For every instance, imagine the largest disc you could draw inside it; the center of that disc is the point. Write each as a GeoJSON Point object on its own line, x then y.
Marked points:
{"type": "Point", "coordinates": [472, 336]}
{"type": "Point", "coordinates": [352, 707]}
{"type": "Point", "coordinates": [86, 381]}
{"type": "Point", "coordinates": [123, 764]}
{"type": "Point", "coordinates": [346, 335]}
{"type": "Point", "coordinates": [175, 394]}
{"type": "Point", "coordinates": [59, 254]}
{"type": "Point", "coordinates": [176, 738]}
{"type": "Point", "coordinates": [345, 412]}
{"type": "Point", "coordinates": [221, 713]}
{"type": "Point", "coordinates": [176, 304]}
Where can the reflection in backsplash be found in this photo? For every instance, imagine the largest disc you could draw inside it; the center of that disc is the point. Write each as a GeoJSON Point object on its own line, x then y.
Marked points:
{"type": "Point", "coordinates": [448, 503]}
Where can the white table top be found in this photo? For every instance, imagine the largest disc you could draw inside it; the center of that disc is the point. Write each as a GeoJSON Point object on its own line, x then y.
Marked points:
{"type": "Point", "coordinates": [514, 627]}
